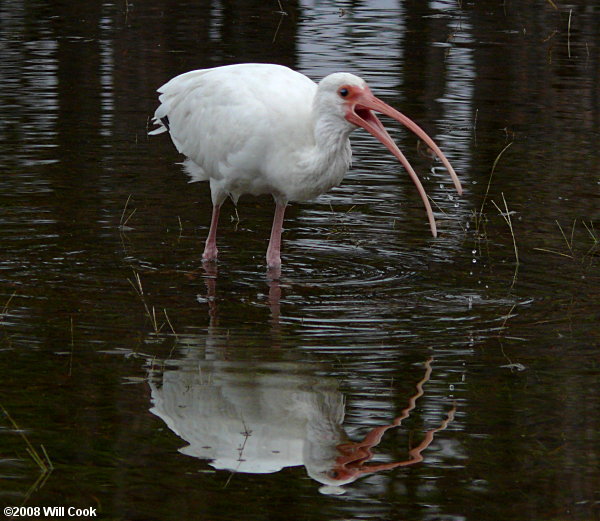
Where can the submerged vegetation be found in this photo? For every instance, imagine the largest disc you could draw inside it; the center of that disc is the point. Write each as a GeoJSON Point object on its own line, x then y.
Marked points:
{"type": "Point", "coordinates": [584, 251]}
{"type": "Point", "coordinates": [580, 241]}
{"type": "Point", "coordinates": [43, 461]}
{"type": "Point", "coordinates": [150, 311]}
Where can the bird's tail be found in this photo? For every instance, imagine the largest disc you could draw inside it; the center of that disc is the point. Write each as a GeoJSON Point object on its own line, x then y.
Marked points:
{"type": "Point", "coordinates": [162, 122]}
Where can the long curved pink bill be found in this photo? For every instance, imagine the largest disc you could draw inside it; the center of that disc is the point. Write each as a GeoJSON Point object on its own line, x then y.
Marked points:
{"type": "Point", "coordinates": [376, 104]}
{"type": "Point", "coordinates": [392, 147]}
{"type": "Point", "coordinates": [420, 133]}
{"type": "Point", "coordinates": [375, 127]}
{"type": "Point", "coordinates": [368, 121]}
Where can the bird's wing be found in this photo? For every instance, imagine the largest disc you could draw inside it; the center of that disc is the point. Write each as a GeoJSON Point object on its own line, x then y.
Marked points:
{"type": "Point", "coordinates": [232, 116]}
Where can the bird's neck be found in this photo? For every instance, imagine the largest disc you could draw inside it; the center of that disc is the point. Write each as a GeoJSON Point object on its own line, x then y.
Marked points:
{"type": "Point", "coordinates": [331, 132]}
{"type": "Point", "coordinates": [332, 146]}
{"type": "Point", "coordinates": [323, 164]}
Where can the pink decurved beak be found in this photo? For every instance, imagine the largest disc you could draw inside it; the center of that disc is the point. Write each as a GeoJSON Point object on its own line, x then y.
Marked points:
{"type": "Point", "coordinates": [358, 112]}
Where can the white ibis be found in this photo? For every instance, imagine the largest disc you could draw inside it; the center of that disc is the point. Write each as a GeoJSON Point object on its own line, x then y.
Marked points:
{"type": "Point", "coordinates": [266, 129]}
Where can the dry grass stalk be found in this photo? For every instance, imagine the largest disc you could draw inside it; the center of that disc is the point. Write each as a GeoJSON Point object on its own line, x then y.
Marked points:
{"type": "Point", "coordinates": [44, 463]}
{"type": "Point", "coordinates": [506, 216]}
{"type": "Point", "coordinates": [479, 216]}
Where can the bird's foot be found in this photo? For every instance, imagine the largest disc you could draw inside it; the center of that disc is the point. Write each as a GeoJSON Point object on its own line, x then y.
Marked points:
{"type": "Point", "coordinates": [273, 260]}
{"type": "Point", "coordinates": [273, 272]}
{"type": "Point", "coordinates": [273, 266]}
{"type": "Point", "coordinates": [210, 254]}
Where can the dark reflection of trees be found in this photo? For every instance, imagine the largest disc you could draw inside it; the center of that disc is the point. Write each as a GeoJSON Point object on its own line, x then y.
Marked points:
{"type": "Point", "coordinates": [76, 29]}
{"type": "Point", "coordinates": [187, 35]}
{"type": "Point", "coordinates": [418, 78]}
{"type": "Point", "coordinates": [535, 94]}
{"type": "Point", "coordinates": [527, 90]}
{"type": "Point", "coordinates": [532, 93]}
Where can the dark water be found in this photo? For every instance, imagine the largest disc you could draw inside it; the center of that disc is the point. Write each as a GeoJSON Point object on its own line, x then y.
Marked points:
{"type": "Point", "coordinates": [161, 391]}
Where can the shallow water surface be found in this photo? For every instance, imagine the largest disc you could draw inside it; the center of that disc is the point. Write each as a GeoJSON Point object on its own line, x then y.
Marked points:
{"type": "Point", "coordinates": [386, 374]}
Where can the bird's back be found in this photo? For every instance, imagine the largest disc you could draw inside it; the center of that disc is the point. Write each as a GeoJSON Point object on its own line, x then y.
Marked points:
{"type": "Point", "coordinates": [236, 118]}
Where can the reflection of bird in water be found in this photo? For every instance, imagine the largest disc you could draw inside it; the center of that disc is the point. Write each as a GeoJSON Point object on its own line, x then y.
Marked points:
{"type": "Point", "coordinates": [265, 129]}
{"type": "Point", "coordinates": [262, 417]}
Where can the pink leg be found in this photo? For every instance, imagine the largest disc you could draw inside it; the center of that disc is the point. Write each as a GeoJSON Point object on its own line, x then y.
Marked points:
{"type": "Point", "coordinates": [274, 249]}
{"type": "Point", "coordinates": [210, 249]}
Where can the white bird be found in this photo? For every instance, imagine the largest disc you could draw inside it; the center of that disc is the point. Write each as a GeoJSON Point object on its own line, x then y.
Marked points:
{"type": "Point", "coordinates": [266, 129]}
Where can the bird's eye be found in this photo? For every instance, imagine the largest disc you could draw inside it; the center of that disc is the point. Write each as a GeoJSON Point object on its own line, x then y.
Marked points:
{"type": "Point", "coordinates": [343, 92]}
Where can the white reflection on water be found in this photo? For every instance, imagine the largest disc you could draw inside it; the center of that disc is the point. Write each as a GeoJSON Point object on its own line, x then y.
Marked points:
{"type": "Point", "coordinates": [30, 97]}
{"type": "Point", "coordinates": [333, 36]}
{"type": "Point", "coordinates": [457, 99]}
{"type": "Point", "coordinates": [107, 67]}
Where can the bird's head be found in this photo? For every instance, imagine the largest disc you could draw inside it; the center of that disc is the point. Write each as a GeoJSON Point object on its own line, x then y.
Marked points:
{"type": "Point", "coordinates": [349, 97]}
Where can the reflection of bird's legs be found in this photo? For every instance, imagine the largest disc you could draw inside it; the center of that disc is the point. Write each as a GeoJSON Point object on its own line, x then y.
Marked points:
{"type": "Point", "coordinates": [274, 306]}
{"type": "Point", "coordinates": [210, 279]}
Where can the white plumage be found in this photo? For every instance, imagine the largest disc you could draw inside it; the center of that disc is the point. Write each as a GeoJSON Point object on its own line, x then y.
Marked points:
{"type": "Point", "coordinates": [266, 129]}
